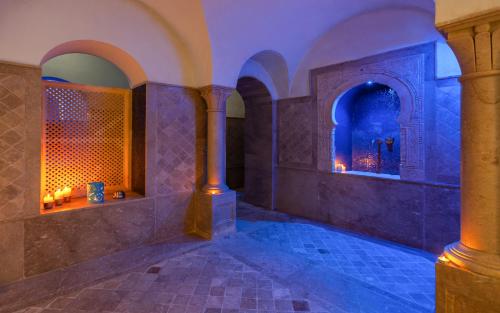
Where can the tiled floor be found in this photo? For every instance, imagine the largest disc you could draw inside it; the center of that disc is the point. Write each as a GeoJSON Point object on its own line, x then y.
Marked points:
{"type": "Point", "coordinates": [275, 263]}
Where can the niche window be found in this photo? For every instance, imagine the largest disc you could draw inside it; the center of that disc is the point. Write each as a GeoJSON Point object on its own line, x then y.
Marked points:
{"type": "Point", "coordinates": [367, 131]}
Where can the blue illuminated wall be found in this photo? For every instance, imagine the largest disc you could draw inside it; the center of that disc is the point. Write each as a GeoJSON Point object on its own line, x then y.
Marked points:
{"type": "Point", "coordinates": [364, 115]}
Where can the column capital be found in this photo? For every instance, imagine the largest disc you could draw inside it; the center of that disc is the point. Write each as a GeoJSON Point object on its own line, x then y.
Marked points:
{"type": "Point", "coordinates": [476, 42]}
{"type": "Point", "coordinates": [216, 97]}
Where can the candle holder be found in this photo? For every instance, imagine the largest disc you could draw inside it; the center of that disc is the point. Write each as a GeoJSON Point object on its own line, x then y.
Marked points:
{"type": "Point", "coordinates": [95, 192]}
{"type": "Point", "coordinates": [67, 194]}
{"type": "Point", "coordinates": [119, 194]}
{"type": "Point", "coordinates": [58, 197]}
{"type": "Point", "coordinates": [48, 202]}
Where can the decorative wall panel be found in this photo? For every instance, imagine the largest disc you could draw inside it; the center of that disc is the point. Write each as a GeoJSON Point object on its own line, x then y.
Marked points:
{"type": "Point", "coordinates": [406, 75]}
{"type": "Point", "coordinates": [295, 135]}
{"type": "Point", "coordinates": [176, 137]}
{"type": "Point", "coordinates": [86, 137]}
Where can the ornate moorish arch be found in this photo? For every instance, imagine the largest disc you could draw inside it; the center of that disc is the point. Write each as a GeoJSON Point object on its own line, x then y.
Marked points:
{"type": "Point", "coordinates": [406, 76]}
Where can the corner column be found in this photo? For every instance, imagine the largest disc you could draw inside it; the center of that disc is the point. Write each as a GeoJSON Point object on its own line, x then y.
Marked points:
{"type": "Point", "coordinates": [468, 273]}
{"type": "Point", "coordinates": [215, 203]}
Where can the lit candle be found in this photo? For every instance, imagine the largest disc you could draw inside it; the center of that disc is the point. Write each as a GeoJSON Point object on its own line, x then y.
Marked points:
{"type": "Point", "coordinates": [67, 194]}
{"type": "Point", "coordinates": [58, 196]}
{"type": "Point", "coordinates": [48, 201]}
{"type": "Point", "coordinates": [339, 167]}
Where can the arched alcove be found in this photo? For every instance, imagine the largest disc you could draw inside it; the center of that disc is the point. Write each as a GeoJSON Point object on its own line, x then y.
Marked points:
{"type": "Point", "coordinates": [411, 119]}
{"type": "Point", "coordinates": [89, 131]}
{"type": "Point", "coordinates": [367, 131]}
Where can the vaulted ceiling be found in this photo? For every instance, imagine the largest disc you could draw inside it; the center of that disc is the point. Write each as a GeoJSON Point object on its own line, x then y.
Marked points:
{"type": "Point", "coordinates": [200, 42]}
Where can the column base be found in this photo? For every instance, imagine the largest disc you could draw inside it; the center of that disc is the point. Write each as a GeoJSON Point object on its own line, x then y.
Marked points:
{"type": "Point", "coordinates": [459, 290]}
{"type": "Point", "coordinates": [473, 260]}
{"type": "Point", "coordinates": [215, 213]}
{"type": "Point", "coordinates": [215, 189]}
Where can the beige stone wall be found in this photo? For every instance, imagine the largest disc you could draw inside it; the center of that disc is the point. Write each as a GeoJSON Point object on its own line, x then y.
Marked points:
{"type": "Point", "coordinates": [20, 127]}
{"type": "Point", "coordinates": [32, 244]}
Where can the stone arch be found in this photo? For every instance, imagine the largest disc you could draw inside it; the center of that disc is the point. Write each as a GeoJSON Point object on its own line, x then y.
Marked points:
{"type": "Point", "coordinates": [270, 68]}
{"type": "Point", "coordinates": [124, 61]}
{"type": "Point", "coordinates": [410, 120]}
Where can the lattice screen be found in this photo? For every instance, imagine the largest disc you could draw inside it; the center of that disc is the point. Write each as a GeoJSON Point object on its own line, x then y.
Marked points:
{"type": "Point", "coordinates": [86, 137]}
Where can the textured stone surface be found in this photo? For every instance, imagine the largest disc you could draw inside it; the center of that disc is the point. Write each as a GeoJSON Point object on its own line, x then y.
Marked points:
{"type": "Point", "coordinates": [20, 129]}
{"type": "Point", "coordinates": [235, 152]}
{"type": "Point", "coordinates": [172, 215]}
{"type": "Point", "coordinates": [215, 214]}
{"type": "Point", "coordinates": [179, 118]}
{"type": "Point", "coordinates": [276, 263]}
{"type": "Point", "coordinates": [461, 291]}
{"type": "Point", "coordinates": [426, 216]}
{"type": "Point", "coordinates": [408, 71]}
{"type": "Point", "coordinates": [11, 251]}
{"type": "Point", "coordinates": [296, 123]}
{"type": "Point", "coordinates": [260, 145]}
{"type": "Point", "coordinates": [446, 151]}
{"type": "Point", "coordinates": [63, 281]}
{"type": "Point", "coordinates": [65, 238]}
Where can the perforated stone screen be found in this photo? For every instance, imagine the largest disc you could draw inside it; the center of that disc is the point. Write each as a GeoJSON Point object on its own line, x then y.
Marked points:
{"type": "Point", "coordinates": [86, 137]}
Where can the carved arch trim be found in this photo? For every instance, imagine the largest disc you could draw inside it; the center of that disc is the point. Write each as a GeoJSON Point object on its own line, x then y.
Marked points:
{"type": "Point", "coordinates": [404, 75]}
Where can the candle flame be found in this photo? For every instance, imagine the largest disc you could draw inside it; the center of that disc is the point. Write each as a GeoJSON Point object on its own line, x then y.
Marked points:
{"type": "Point", "coordinates": [48, 198]}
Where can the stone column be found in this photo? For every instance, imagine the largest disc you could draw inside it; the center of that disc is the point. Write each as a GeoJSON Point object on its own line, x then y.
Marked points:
{"type": "Point", "coordinates": [468, 276]}
{"type": "Point", "coordinates": [215, 203]}
{"type": "Point", "coordinates": [215, 97]}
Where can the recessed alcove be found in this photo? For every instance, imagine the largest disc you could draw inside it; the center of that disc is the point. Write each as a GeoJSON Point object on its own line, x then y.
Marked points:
{"type": "Point", "coordinates": [89, 131]}
{"type": "Point", "coordinates": [367, 131]}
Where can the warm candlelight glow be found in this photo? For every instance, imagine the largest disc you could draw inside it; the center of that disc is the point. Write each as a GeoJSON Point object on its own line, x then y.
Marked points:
{"type": "Point", "coordinates": [66, 192]}
{"type": "Point", "coordinates": [58, 197]}
{"type": "Point", "coordinates": [339, 167]}
{"type": "Point", "coordinates": [48, 198]}
{"type": "Point", "coordinates": [443, 259]}
{"type": "Point", "coordinates": [58, 194]}
{"type": "Point", "coordinates": [48, 201]}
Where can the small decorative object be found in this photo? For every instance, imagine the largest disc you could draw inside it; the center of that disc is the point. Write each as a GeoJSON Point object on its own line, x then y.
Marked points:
{"type": "Point", "coordinates": [58, 197]}
{"type": "Point", "coordinates": [67, 194]}
{"type": "Point", "coordinates": [119, 194]}
{"type": "Point", "coordinates": [95, 192]}
{"type": "Point", "coordinates": [389, 142]}
{"type": "Point", "coordinates": [339, 167]}
{"type": "Point", "coordinates": [48, 201]}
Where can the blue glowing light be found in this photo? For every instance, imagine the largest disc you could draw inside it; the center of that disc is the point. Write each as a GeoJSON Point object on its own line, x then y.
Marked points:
{"type": "Point", "coordinates": [369, 83]}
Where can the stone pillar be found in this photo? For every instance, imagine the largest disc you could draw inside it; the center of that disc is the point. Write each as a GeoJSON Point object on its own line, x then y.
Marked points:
{"type": "Point", "coordinates": [215, 203]}
{"type": "Point", "coordinates": [468, 276]}
{"type": "Point", "coordinates": [215, 97]}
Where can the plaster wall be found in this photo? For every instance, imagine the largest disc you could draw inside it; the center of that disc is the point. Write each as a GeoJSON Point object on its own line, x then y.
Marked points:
{"type": "Point", "coordinates": [29, 29]}
{"type": "Point", "coordinates": [85, 69]}
{"type": "Point", "coordinates": [367, 34]}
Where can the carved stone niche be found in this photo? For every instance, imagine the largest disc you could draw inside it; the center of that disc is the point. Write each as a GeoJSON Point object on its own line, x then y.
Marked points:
{"type": "Point", "coordinates": [403, 74]}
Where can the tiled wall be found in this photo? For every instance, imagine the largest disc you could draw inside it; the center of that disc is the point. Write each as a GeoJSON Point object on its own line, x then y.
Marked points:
{"type": "Point", "coordinates": [425, 216]}
{"type": "Point", "coordinates": [296, 122]}
{"type": "Point", "coordinates": [174, 165]}
{"type": "Point", "coordinates": [420, 214]}
{"type": "Point", "coordinates": [20, 129]}
{"type": "Point", "coordinates": [447, 144]}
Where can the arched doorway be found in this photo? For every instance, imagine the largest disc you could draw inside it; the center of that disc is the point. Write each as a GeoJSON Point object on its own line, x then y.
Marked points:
{"type": "Point", "coordinates": [251, 142]}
